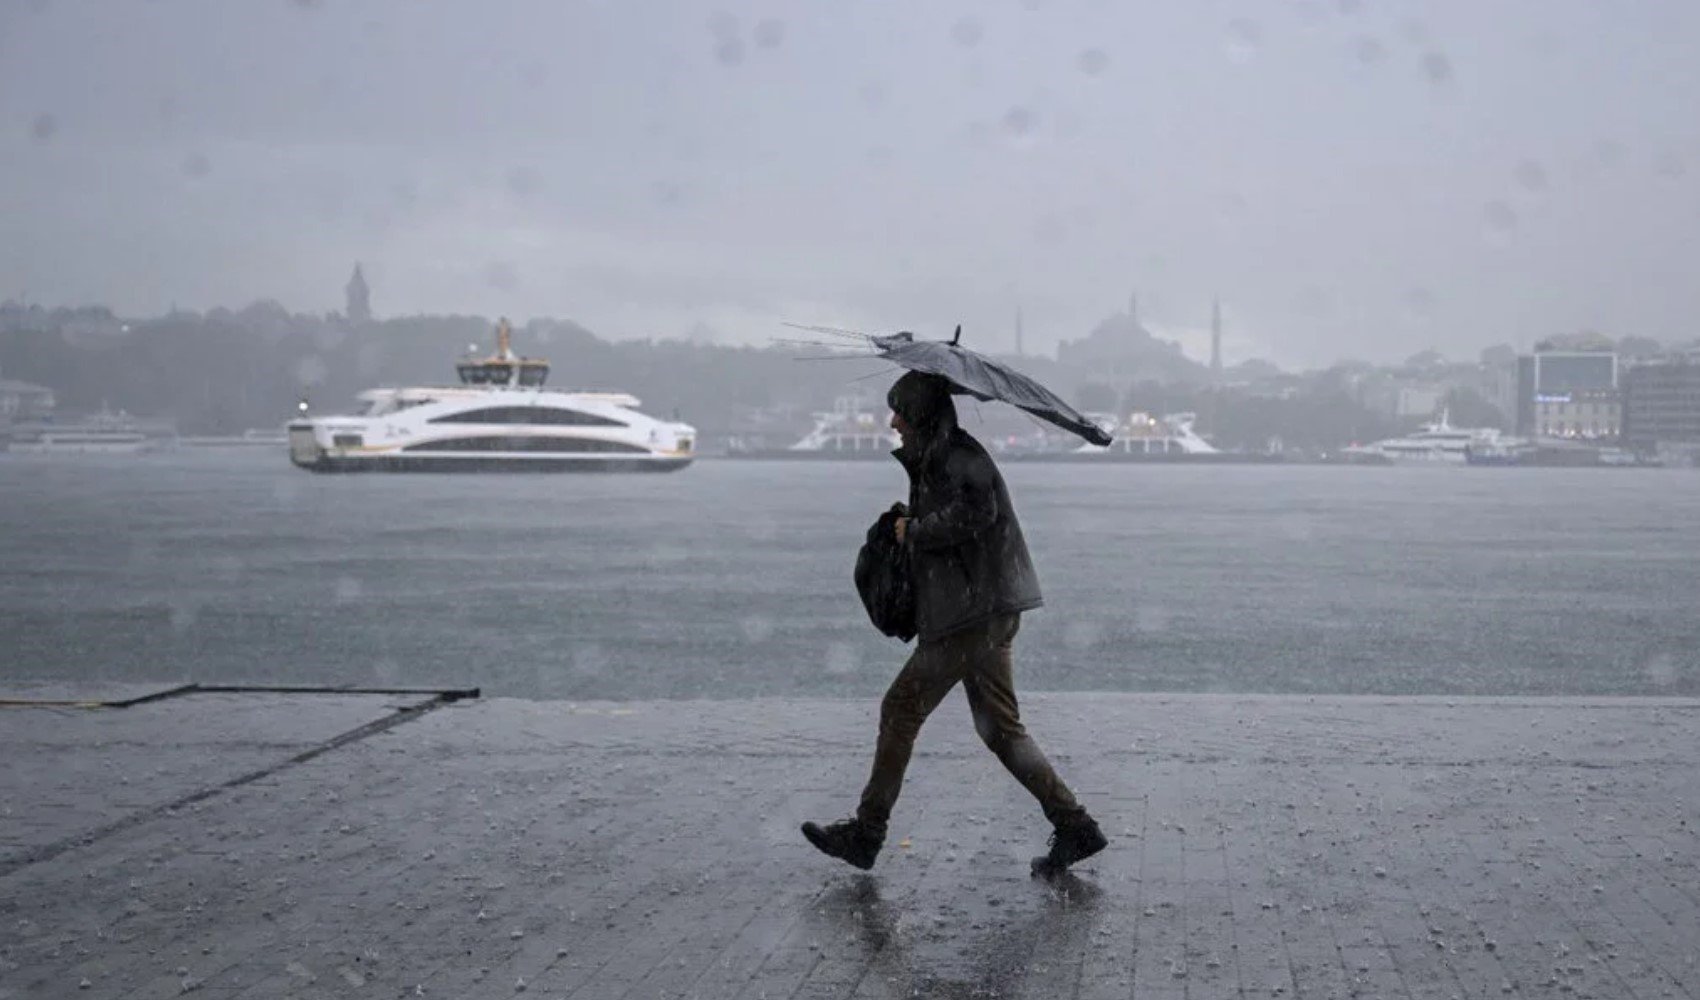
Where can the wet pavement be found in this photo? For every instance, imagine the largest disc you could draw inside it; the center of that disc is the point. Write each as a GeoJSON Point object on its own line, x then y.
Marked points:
{"type": "Point", "coordinates": [295, 845]}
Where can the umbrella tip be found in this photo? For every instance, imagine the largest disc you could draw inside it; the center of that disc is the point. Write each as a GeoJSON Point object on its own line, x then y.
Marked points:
{"type": "Point", "coordinates": [956, 336]}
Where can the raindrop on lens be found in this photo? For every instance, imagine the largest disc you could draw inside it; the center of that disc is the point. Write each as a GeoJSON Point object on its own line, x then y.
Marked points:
{"type": "Point", "coordinates": [730, 52]}
{"type": "Point", "coordinates": [523, 182]}
{"type": "Point", "coordinates": [1244, 38]}
{"type": "Point", "coordinates": [1670, 165]}
{"type": "Point", "coordinates": [1018, 121]}
{"type": "Point", "coordinates": [1532, 177]}
{"type": "Point", "coordinates": [769, 33]}
{"type": "Point", "coordinates": [1499, 221]}
{"type": "Point", "coordinates": [723, 24]}
{"type": "Point", "coordinates": [1369, 51]}
{"type": "Point", "coordinates": [1608, 153]}
{"type": "Point", "coordinates": [1437, 68]}
{"type": "Point", "coordinates": [967, 32]}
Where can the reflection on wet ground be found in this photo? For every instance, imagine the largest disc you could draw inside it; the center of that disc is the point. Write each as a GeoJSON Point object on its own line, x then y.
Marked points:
{"type": "Point", "coordinates": [1033, 938]}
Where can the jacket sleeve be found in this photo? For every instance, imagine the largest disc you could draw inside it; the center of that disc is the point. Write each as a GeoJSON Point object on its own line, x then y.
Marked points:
{"type": "Point", "coordinates": [972, 508]}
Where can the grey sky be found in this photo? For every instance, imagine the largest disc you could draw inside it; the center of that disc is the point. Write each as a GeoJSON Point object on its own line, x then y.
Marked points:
{"type": "Point", "coordinates": [1353, 178]}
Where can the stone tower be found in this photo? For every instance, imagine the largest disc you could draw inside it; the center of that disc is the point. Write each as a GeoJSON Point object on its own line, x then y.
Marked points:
{"type": "Point", "coordinates": [1216, 341]}
{"type": "Point", "coordinates": [359, 298]}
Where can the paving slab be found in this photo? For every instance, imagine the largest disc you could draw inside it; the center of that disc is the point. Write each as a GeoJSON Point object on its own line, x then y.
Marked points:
{"type": "Point", "coordinates": [69, 768]}
{"type": "Point", "coordinates": [1260, 846]}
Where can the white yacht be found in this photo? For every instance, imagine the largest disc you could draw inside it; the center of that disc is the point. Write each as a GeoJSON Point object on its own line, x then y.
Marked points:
{"type": "Point", "coordinates": [101, 433]}
{"type": "Point", "coordinates": [1437, 443]}
{"type": "Point", "coordinates": [499, 418]}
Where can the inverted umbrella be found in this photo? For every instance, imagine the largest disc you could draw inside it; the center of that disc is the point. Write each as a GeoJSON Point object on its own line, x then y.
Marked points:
{"type": "Point", "coordinates": [972, 374]}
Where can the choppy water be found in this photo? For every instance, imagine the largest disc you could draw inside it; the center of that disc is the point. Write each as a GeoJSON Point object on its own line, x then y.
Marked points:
{"type": "Point", "coordinates": [733, 579]}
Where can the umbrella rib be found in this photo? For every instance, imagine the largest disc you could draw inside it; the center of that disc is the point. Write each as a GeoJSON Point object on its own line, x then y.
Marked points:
{"type": "Point", "coordinates": [883, 371]}
{"type": "Point", "coordinates": [831, 344]}
{"type": "Point", "coordinates": [832, 330]}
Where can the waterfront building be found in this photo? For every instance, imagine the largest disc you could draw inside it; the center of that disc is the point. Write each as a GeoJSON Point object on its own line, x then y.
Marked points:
{"type": "Point", "coordinates": [1662, 407]}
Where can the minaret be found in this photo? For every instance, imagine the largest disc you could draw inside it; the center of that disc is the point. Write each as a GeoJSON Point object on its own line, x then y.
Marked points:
{"type": "Point", "coordinates": [1216, 341]}
{"type": "Point", "coordinates": [1018, 351]}
{"type": "Point", "coordinates": [359, 297]}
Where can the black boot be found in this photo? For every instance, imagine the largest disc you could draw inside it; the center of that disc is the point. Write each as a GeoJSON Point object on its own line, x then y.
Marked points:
{"type": "Point", "coordinates": [849, 840]}
{"type": "Point", "coordinates": [1071, 841]}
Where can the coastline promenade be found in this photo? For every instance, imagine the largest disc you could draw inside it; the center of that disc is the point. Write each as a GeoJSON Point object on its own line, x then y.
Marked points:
{"type": "Point", "coordinates": [269, 844]}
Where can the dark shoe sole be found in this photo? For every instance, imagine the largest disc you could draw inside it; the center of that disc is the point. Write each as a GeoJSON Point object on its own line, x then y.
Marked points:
{"type": "Point", "coordinates": [816, 836]}
{"type": "Point", "coordinates": [1044, 867]}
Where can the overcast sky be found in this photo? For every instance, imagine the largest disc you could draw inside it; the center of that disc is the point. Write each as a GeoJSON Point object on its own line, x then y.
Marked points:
{"type": "Point", "coordinates": [1352, 178]}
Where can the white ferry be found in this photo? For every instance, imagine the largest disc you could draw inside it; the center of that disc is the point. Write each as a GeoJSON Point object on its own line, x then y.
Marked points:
{"type": "Point", "coordinates": [1438, 443]}
{"type": "Point", "coordinates": [499, 418]}
{"type": "Point", "coordinates": [849, 431]}
{"type": "Point", "coordinates": [1142, 435]}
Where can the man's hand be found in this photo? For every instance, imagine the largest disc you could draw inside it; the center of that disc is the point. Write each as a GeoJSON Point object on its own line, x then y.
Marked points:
{"type": "Point", "coordinates": [901, 525]}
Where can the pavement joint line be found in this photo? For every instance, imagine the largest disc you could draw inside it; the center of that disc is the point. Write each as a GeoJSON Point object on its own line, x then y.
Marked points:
{"type": "Point", "coordinates": [447, 694]}
{"type": "Point", "coordinates": [406, 713]}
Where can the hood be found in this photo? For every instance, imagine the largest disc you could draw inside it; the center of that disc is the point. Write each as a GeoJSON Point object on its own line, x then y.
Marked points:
{"type": "Point", "coordinates": [924, 403]}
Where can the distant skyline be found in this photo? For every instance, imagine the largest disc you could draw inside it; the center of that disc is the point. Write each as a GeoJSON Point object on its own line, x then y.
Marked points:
{"type": "Point", "coordinates": [1352, 179]}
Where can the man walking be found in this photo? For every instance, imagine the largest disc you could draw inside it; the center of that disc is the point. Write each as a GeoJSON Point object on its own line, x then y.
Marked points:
{"type": "Point", "coordinates": [972, 579]}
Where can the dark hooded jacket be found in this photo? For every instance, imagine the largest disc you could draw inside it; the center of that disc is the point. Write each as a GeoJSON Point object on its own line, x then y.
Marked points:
{"type": "Point", "coordinates": [968, 560]}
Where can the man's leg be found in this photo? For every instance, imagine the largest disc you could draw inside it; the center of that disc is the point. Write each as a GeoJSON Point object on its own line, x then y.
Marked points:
{"type": "Point", "coordinates": [990, 683]}
{"type": "Point", "coordinates": [933, 669]}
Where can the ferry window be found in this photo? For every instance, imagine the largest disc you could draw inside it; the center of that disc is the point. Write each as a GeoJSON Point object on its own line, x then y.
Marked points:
{"type": "Point", "coordinates": [529, 443]}
{"type": "Point", "coordinates": [546, 415]}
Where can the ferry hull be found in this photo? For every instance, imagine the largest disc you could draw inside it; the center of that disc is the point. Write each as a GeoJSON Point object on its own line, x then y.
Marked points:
{"type": "Point", "coordinates": [486, 464]}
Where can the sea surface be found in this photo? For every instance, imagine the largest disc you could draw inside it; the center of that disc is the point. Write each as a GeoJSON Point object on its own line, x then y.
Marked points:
{"type": "Point", "coordinates": [732, 579]}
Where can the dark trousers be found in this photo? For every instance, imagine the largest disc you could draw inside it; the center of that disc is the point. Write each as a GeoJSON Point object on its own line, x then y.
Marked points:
{"type": "Point", "coordinates": [980, 658]}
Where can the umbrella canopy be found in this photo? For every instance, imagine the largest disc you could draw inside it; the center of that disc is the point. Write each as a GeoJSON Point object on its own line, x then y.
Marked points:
{"type": "Point", "coordinates": [974, 375]}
